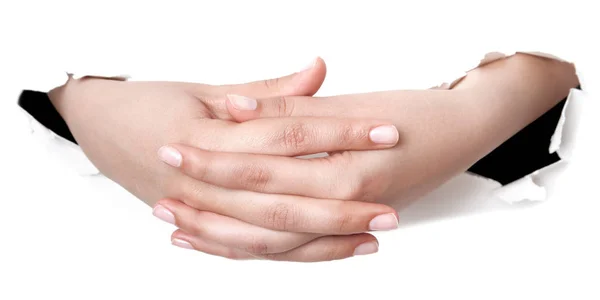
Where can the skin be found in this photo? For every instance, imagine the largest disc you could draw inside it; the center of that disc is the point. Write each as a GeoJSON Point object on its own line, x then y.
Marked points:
{"type": "Point", "coordinates": [238, 190]}
{"type": "Point", "coordinates": [442, 133]}
{"type": "Point", "coordinates": [121, 125]}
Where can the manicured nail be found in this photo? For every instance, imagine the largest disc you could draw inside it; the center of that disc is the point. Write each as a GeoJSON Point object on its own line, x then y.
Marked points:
{"type": "Point", "coordinates": [366, 248]}
{"type": "Point", "coordinates": [170, 156]}
{"type": "Point", "coordinates": [387, 134]}
{"type": "Point", "coordinates": [182, 244]}
{"type": "Point", "coordinates": [310, 65]}
{"type": "Point", "coordinates": [164, 214]}
{"type": "Point", "coordinates": [384, 222]}
{"type": "Point", "coordinates": [242, 103]}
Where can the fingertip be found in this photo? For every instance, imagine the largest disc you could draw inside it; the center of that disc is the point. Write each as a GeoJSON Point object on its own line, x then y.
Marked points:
{"type": "Point", "coordinates": [366, 248]}
{"type": "Point", "coordinates": [240, 115]}
{"type": "Point", "coordinates": [307, 81]}
{"type": "Point", "coordinates": [385, 135]}
{"type": "Point", "coordinates": [182, 240]}
{"type": "Point", "coordinates": [384, 222]}
{"type": "Point", "coordinates": [163, 213]}
{"type": "Point", "coordinates": [321, 67]}
{"type": "Point", "coordinates": [310, 80]}
{"type": "Point", "coordinates": [168, 203]}
{"type": "Point", "coordinates": [242, 103]}
{"type": "Point", "coordinates": [179, 234]}
{"type": "Point", "coordinates": [170, 155]}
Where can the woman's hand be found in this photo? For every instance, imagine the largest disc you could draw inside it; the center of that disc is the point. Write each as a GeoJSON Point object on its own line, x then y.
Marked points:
{"type": "Point", "coordinates": [121, 126]}
{"type": "Point", "coordinates": [442, 133]}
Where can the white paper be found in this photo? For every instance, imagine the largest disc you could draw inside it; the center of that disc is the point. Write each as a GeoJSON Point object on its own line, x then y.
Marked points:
{"type": "Point", "coordinates": [533, 187]}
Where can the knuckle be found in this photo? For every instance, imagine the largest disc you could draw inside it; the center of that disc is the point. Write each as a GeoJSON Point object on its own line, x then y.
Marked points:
{"type": "Point", "coordinates": [257, 246]}
{"type": "Point", "coordinates": [332, 253]}
{"type": "Point", "coordinates": [348, 134]}
{"type": "Point", "coordinates": [280, 216]}
{"type": "Point", "coordinates": [285, 106]}
{"type": "Point", "coordinates": [343, 223]}
{"type": "Point", "coordinates": [252, 176]}
{"type": "Point", "coordinates": [295, 137]}
{"type": "Point", "coordinates": [271, 84]}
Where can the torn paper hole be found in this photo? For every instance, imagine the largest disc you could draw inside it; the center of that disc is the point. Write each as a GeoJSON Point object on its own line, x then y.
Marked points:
{"type": "Point", "coordinates": [523, 189]}
{"type": "Point", "coordinates": [533, 187]}
{"type": "Point", "coordinates": [527, 163]}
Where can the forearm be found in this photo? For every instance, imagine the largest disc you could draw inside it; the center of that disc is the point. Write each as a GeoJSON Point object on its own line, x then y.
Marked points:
{"type": "Point", "coordinates": [509, 94]}
{"type": "Point", "coordinates": [445, 132]}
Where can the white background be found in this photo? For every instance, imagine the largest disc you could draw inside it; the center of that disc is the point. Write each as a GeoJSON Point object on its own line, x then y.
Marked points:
{"type": "Point", "coordinates": [67, 237]}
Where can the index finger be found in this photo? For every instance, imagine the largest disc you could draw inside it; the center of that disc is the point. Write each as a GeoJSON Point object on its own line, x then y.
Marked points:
{"type": "Point", "coordinates": [303, 136]}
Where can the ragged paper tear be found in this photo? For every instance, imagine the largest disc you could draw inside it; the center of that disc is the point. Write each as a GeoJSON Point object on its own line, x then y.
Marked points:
{"type": "Point", "coordinates": [61, 149]}
{"type": "Point", "coordinates": [524, 155]}
{"type": "Point", "coordinates": [533, 186]}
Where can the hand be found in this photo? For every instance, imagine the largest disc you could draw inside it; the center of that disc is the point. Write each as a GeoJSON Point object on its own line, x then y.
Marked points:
{"type": "Point", "coordinates": [442, 133]}
{"type": "Point", "coordinates": [121, 125]}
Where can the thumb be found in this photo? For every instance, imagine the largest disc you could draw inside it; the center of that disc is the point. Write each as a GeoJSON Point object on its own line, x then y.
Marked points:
{"type": "Point", "coordinates": [303, 83]}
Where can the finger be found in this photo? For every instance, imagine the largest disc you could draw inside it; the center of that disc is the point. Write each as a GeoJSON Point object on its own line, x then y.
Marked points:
{"type": "Point", "coordinates": [300, 136]}
{"type": "Point", "coordinates": [243, 109]}
{"type": "Point", "coordinates": [329, 248]}
{"type": "Point", "coordinates": [285, 212]}
{"type": "Point", "coordinates": [229, 232]}
{"type": "Point", "coordinates": [326, 248]}
{"type": "Point", "coordinates": [328, 177]}
{"type": "Point", "coordinates": [343, 106]}
{"type": "Point", "coordinates": [303, 83]}
{"type": "Point", "coordinates": [183, 240]}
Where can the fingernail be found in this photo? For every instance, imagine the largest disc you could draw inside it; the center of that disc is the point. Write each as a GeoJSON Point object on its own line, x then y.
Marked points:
{"type": "Point", "coordinates": [182, 244]}
{"type": "Point", "coordinates": [242, 103]}
{"type": "Point", "coordinates": [164, 214]}
{"type": "Point", "coordinates": [384, 222]}
{"type": "Point", "coordinates": [170, 156]}
{"type": "Point", "coordinates": [310, 65]}
{"type": "Point", "coordinates": [366, 248]}
{"type": "Point", "coordinates": [387, 134]}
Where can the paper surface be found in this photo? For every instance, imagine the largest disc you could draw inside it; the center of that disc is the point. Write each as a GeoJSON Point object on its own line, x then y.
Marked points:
{"type": "Point", "coordinates": [533, 187]}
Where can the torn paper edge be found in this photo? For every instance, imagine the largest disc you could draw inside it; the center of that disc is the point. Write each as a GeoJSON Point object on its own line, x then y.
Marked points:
{"type": "Point", "coordinates": [112, 76]}
{"type": "Point", "coordinates": [61, 148]}
{"type": "Point", "coordinates": [65, 151]}
{"type": "Point", "coordinates": [533, 187]}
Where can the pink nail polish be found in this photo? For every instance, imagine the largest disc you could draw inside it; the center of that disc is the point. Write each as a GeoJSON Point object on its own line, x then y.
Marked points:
{"type": "Point", "coordinates": [366, 248]}
{"type": "Point", "coordinates": [242, 103]}
{"type": "Point", "coordinates": [384, 222]}
{"type": "Point", "coordinates": [164, 214]}
{"type": "Point", "coordinates": [387, 134]}
{"type": "Point", "coordinates": [182, 244]}
{"type": "Point", "coordinates": [170, 156]}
